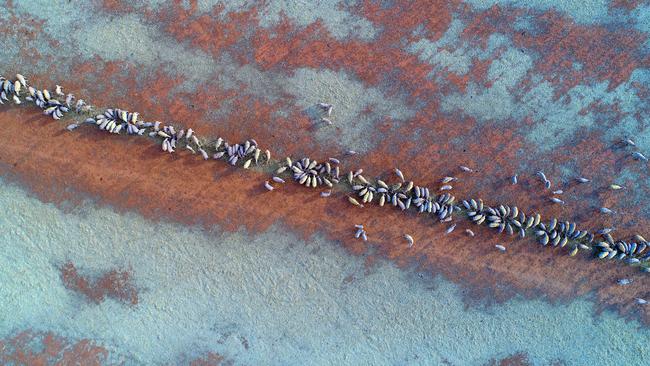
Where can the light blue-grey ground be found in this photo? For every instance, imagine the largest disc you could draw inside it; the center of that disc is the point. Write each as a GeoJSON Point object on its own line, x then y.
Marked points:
{"type": "Point", "coordinates": [203, 292]}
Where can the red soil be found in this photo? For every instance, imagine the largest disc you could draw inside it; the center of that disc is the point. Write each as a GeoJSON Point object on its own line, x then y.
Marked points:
{"type": "Point", "coordinates": [211, 359]}
{"type": "Point", "coordinates": [605, 53]}
{"type": "Point", "coordinates": [46, 348]}
{"type": "Point", "coordinates": [131, 174]}
{"type": "Point", "coordinates": [519, 359]}
{"type": "Point", "coordinates": [115, 284]}
{"type": "Point", "coordinates": [206, 31]}
{"type": "Point", "coordinates": [117, 6]}
{"type": "Point", "coordinates": [628, 5]}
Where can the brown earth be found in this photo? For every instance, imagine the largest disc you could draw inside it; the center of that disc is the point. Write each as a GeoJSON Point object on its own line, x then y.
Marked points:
{"type": "Point", "coordinates": [46, 348]}
{"type": "Point", "coordinates": [132, 174]}
{"type": "Point", "coordinates": [116, 284]}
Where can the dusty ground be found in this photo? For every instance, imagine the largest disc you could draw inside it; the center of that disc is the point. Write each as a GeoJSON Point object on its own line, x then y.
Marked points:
{"type": "Point", "coordinates": [425, 87]}
{"type": "Point", "coordinates": [132, 175]}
